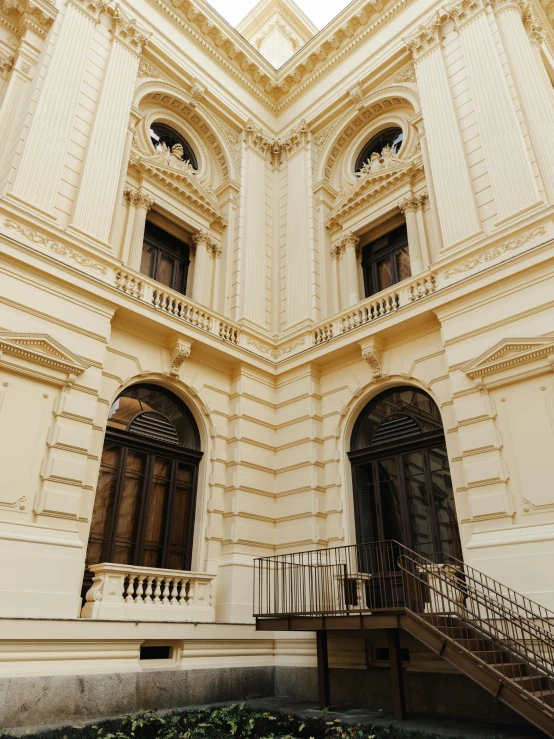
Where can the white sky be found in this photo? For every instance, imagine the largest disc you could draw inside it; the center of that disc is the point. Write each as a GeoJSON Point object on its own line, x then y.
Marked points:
{"type": "Point", "coordinates": [320, 12]}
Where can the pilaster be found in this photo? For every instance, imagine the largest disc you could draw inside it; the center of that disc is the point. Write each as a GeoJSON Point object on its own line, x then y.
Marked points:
{"type": "Point", "coordinates": [455, 200]}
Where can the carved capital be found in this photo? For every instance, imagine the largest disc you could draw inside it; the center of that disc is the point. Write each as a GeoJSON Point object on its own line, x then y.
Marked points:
{"type": "Point", "coordinates": [181, 352]}
{"type": "Point", "coordinates": [204, 239]}
{"type": "Point", "coordinates": [425, 38]}
{"type": "Point", "coordinates": [372, 352]}
{"type": "Point", "coordinates": [357, 97]}
{"type": "Point", "coordinates": [462, 11]}
{"type": "Point", "coordinates": [349, 240]}
{"type": "Point", "coordinates": [93, 8]}
{"type": "Point", "coordinates": [410, 203]}
{"type": "Point", "coordinates": [128, 31]}
{"type": "Point", "coordinates": [138, 199]}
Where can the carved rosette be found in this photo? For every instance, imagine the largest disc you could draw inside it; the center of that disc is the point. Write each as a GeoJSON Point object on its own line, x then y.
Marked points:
{"type": "Point", "coordinates": [181, 352]}
{"type": "Point", "coordinates": [205, 240]}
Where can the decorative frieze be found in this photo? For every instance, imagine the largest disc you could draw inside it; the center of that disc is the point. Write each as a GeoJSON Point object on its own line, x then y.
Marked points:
{"type": "Point", "coordinates": [54, 246]}
{"type": "Point", "coordinates": [495, 252]}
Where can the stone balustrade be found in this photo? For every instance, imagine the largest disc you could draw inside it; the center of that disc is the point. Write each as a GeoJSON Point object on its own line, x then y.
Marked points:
{"type": "Point", "coordinates": [375, 307]}
{"type": "Point", "coordinates": [126, 593]}
{"type": "Point", "coordinates": [179, 306]}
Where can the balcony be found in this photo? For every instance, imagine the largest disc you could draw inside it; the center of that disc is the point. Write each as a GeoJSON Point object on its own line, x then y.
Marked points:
{"type": "Point", "coordinates": [125, 593]}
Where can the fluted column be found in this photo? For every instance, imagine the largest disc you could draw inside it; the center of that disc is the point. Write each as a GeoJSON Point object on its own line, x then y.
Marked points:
{"type": "Point", "coordinates": [409, 207]}
{"type": "Point", "coordinates": [101, 174]}
{"type": "Point", "coordinates": [423, 242]}
{"type": "Point", "coordinates": [512, 180]}
{"type": "Point", "coordinates": [455, 200]}
{"type": "Point", "coordinates": [350, 269]}
{"type": "Point", "coordinates": [142, 203]}
{"type": "Point", "coordinates": [206, 250]}
{"type": "Point", "coordinates": [41, 164]}
{"type": "Point", "coordinates": [533, 87]}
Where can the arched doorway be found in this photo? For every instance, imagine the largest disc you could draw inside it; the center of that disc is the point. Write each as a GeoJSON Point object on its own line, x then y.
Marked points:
{"type": "Point", "coordinates": [146, 495]}
{"type": "Point", "coordinates": [402, 483]}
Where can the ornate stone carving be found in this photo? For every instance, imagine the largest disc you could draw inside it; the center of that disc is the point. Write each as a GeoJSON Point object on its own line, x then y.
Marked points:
{"type": "Point", "coordinates": [93, 7]}
{"type": "Point", "coordinates": [196, 94]}
{"type": "Point", "coordinates": [6, 65]}
{"type": "Point", "coordinates": [147, 70]}
{"type": "Point", "coordinates": [181, 352]}
{"type": "Point", "coordinates": [277, 23]}
{"type": "Point", "coordinates": [17, 505]}
{"type": "Point", "coordinates": [129, 31]}
{"type": "Point", "coordinates": [410, 203]}
{"type": "Point", "coordinates": [510, 353]}
{"type": "Point", "coordinates": [407, 75]}
{"type": "Point", "coordinates": [296, 138]}
{"type": "Point", "coordinates": [372, 352]}
{"type": "Point", "coordinates": [462, 10]}
{"type": "Point", "coordinates": [172, 158]}
{"type": "Point", "coordinates": [387, 159]}
{"type": "Point", "coordinates": [425, 38]}
{"type": "Point", "coordinates": [275, 353]}
{"type": "Point", "coordinates": [205, 239]}
{"type": "Point", "coordinates": [139, 199]}
{"type": "Point", "coordinates": [54, 246]}
{"type": "Point", "coordinates": [349, 239]}
{"type": "Point", "coordinates": [357, 97]}
{"type": "Point", "coordinates": [495, 252]}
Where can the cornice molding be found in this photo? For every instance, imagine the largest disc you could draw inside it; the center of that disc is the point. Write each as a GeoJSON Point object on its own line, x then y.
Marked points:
{"type": "Point", "coordinates": [510, 353]}
{"type": "Point", "coordinates": [36, 15]}
{"type": "Point", "coordinates": [41, 349]}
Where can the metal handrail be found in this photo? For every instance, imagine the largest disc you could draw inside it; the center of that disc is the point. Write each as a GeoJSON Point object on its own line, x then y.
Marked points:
{"type": "Point", "coordinates": [497, 625]}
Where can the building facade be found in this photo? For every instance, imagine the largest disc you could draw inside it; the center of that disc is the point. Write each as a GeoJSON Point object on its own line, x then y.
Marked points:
{"type": "Point", "coordinates": [225, 255]}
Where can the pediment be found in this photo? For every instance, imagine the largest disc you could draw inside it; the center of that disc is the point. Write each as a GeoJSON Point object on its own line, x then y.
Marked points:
{"type": "Point", "coordinates": [371, 186]}
{"type": "Point", "coordinates": [41, 349]}
{"type": "Point", "coordinates": [509, 353]}
{"type": "Point", "coordinates": [184, 184]}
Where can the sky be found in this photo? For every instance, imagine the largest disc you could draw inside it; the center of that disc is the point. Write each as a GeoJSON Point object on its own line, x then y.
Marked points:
{"type": "Point", "coordinates": [320, 12]}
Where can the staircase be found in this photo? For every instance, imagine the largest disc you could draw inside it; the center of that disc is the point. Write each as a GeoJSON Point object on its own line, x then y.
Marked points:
{"type": "Point", "coordinates": [496, 636]}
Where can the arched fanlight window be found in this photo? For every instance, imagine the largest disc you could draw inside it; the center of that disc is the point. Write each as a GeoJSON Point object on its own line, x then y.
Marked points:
{"type": "Point", "coordinates": [146, 494]}
{"type": "Point", "coordinates": [401, 474]}
{"type": "Point", "coordinates": [393, 137]}
{"type": "Point", "coordinates": [163, 135]}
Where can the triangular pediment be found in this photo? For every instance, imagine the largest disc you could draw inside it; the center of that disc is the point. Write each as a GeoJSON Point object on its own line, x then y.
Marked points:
{"type": "Point", "coordinates": [508, 353]}
{"type": "Point", "coordinates": [41, 349]}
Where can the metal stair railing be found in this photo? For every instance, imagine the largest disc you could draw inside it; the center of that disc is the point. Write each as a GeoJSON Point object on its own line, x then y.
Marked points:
{"type": "Point", "coordinates": [447, 599]}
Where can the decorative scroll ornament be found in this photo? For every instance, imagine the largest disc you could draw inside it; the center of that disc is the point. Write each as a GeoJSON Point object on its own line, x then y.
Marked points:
{"type": "Point", "coordinates": [54, 246]}
{"type": "Point", "coordinates": [495, 252]}
{"type": "Point", "coordinates": [181, 352]}
{"type": "Point", "coordinates": [412, 202]}
{"type": "Point", "coordinates": [372, 352]}
{"type": "Point", "coordinates": [139, 199]}
{"type": "Point", "coordinates": [275, 353]}
{"type": "Point", "coordinates": [349, 239]}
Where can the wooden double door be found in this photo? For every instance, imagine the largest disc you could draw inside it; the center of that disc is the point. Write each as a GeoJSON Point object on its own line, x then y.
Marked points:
{"type": "Point", "coordinates": [404, 492]}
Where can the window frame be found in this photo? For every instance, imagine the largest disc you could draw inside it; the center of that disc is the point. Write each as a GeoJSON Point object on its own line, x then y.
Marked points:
{"type": "Point", "coordinates": [170, 249]}
{"type": "Point", "coordinates": [372, 255]}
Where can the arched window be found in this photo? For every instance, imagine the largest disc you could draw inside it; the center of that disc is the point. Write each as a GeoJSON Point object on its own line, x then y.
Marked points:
{"type": "Point", "coordinates": [163, 135]}
{"type": "Point", "coordinates": [146, 494]}
{"type": "Point", "coordinates": [402, 483]}
{"type": "Point", "coordinates": [393, 137]}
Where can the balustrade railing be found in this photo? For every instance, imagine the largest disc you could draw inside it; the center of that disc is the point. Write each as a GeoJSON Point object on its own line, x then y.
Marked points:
{"type": "Point", "coordinates": [126, 593]}
{"type": "Point", "coordinates": [176, 305]}
{"type": "Point", "coordinates": [376, 307]}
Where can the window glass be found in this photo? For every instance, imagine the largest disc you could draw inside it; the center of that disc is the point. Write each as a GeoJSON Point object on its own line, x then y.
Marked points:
{"type": "Point", "coordinates": [403, 264]}
{"type": "Point", "coordinates": [140, 398]}
{"type": "Point", "coordinates": [384, 273]}
{"type": "Point", "coordinates": [392, 137]}
{"type": "Point", "coordinates": [165, 258]}
{"type": "Point", "coordinates": [163, 135]}
{"type": "Point", "coordinates": [386, 261]}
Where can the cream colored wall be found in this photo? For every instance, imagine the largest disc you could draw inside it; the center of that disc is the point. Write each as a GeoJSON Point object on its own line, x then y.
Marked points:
{"type": "Point", "coordinates": [275, 403]}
